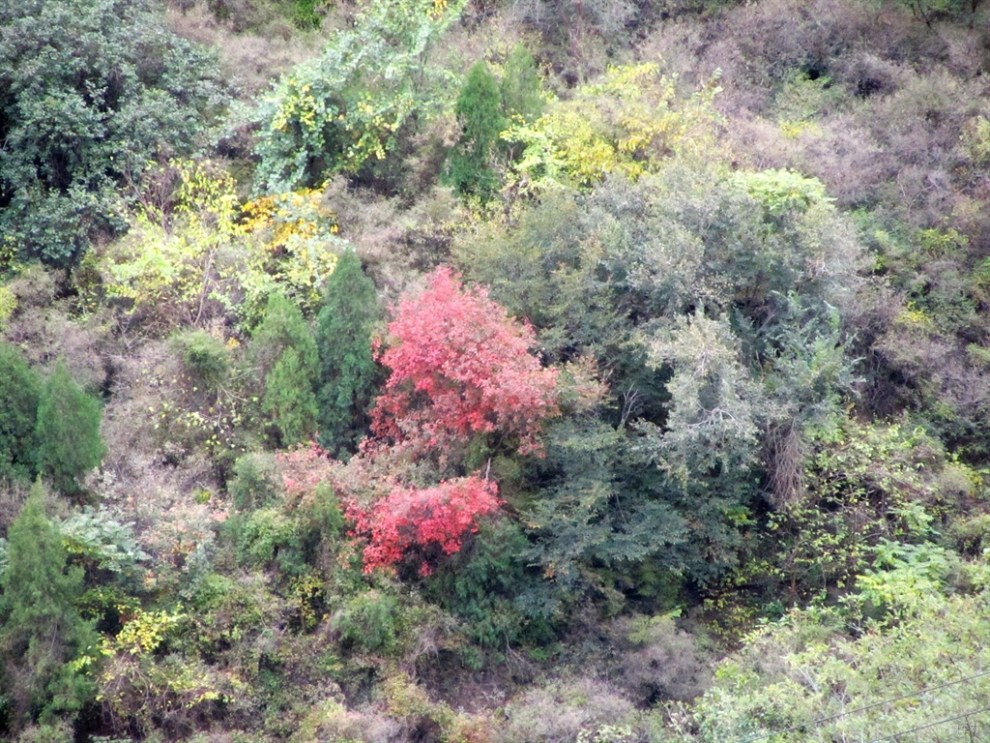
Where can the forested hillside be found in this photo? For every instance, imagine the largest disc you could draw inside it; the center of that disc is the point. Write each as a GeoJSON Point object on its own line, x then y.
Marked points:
{"type": "Point", "coordinates": [494, 371]}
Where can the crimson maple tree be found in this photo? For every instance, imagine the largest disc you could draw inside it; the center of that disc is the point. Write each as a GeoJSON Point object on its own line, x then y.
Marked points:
{"type": "Point", "coordinates": [460, 365]}
{"type": "Point", "coordinates": [423, 522]}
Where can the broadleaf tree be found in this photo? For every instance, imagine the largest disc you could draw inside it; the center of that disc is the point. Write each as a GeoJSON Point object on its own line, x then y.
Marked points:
{"type": "Point", "coordinates": [347, 107]}
{"type": "Point", "coordinates": [460, 366]}
{"type": "Point", "coordinates": [92, 91]}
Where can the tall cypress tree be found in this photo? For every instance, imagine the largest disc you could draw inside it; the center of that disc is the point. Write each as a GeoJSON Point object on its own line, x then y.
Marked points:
{"type": "Point", "coordinates": [479, 111]}
{"type": "Point", "coordinates": [284, 353]}
{"type": "Point", "coordinates": [348, 373]}
{"type": "Point", "coordinates": [41, 630]}
{"type": "Point", "coordinates": [68, 432]}
{"type": "Point", "coordinates": [289, 398]}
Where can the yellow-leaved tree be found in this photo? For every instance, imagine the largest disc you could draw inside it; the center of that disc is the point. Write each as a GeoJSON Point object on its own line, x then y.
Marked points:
{"type": "Point", "coordinates": [628, 122]}
{"type": "Point", "coordinates": [206, 255]}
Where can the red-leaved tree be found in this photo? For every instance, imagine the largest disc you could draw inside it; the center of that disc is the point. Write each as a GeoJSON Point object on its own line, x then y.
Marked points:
{"type": "Point", "coordinates": [423, 523]}
{"type": "Point", "coordinates": [460, 366]}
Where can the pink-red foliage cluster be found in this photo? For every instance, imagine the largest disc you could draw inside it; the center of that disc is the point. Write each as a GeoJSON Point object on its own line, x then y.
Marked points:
{"type": "Point", "coordinates": [304, 468]}
{"type": "Point", "coordinates": [460, 366]}
{"type": "Point", "coordinates": [410, 519]}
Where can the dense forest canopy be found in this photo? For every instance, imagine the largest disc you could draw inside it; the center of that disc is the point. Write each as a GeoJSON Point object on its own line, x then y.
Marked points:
{"type": "Point", "coordinates": [494, 371]}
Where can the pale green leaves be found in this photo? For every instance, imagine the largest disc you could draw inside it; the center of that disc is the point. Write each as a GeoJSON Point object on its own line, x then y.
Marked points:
{"type": "Point", "coordinates": [712, 425]}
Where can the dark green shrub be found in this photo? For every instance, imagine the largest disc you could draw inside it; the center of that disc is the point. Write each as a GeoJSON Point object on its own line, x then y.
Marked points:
{"type": "Point", "coordinates": [306, 13]}
{"type": "Point", "coordinates": [268, 538]}
{"type": "Point", "coordinates": [322, 532]}
{"type": "Point", "coordinates": [482, 583]}
{"type": "Point", "coordinates": [256, 482]}
{"type": "Point", "coordinates": [369, 622]}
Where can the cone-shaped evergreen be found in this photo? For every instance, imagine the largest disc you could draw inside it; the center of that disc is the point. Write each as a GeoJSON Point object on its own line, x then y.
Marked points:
{"type": "Point", "coordinates": [289, 399]}
{"type": "Point", "coordinates": [479, 110]}
{"type": "Point", "coordinates": [41, 629]}
{"type": "Point", "coordinates": [68, 432]}
{"type": "Point", "coordinates": [348, 373]}
{"type": "Point", "coordinates": [19, 391]}
{"type": "Point", "coordinates": [284, 354]}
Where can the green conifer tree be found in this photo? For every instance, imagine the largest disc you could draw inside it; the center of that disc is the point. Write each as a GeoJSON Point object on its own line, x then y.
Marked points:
{"type": "Point", "coordinates": [283, 351]}
{"type": "Point", "coordinates": [479, 110]}
{"type": "Point", "coordinates": [348, 373]}
{"type": "Point", "coordinates": [19, 392]}
{"type": "Point", "coordinates": [68, 432]}
{"type": "Point", "coordinates": [282, 327]}
{"type": "Point", "coordinates": [290, 400]}
{"type": "Point", "coordinates": [41, 630]}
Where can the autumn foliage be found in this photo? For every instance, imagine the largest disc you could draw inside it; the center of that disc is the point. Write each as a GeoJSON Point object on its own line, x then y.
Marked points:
{"type": "Point", "coordinates": [424, 521]}
{"type": "Point", "coordinates": [461, 366]}
{"type": "Point", "coordinates": [304, 468]}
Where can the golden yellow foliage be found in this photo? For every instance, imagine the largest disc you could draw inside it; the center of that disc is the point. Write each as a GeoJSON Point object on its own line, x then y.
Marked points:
{"type": "Point", "coordinates": [210, 254]}
{"type": "Point", "coordinates": [628, 122]}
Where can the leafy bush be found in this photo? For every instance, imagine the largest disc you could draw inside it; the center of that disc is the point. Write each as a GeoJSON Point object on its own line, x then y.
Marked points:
{"type": "Point", "coordinates": [226, 611]}
{"type": "Point", "coordinates": [94, 89]}
{"type": "Point", "coordinates": [369, 622]}
{"type": "Point", "coordinates": [805, 673]}
{"type": "Point", "coordinates": [861, 484]}
{"type": "Point", "coordinates": [626, 123]}
{"type": "Point", "coordinates": [350, 105]}
{"type": "Point", "coordinates": [202, 254]}
{"type": "Point", "coordinates": [102, 542]}
{"type": "Point", "coordinates": [170, 693]}
{"type": "Point", "coordinates": [205, 358]}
